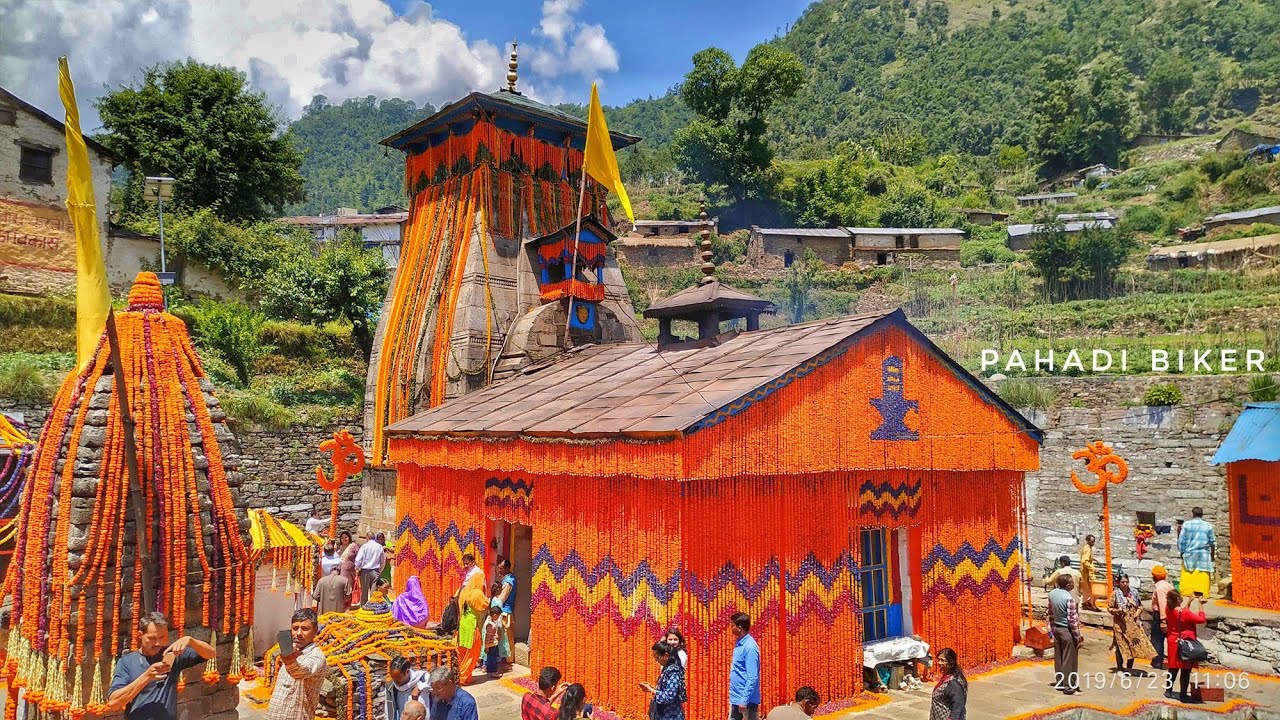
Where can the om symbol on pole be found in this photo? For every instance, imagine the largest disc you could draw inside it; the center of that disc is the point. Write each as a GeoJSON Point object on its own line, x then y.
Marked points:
{"type": "Point", "coordinates": [347, 458]}
{"type": "Point", "coordinates": [1100, 459]}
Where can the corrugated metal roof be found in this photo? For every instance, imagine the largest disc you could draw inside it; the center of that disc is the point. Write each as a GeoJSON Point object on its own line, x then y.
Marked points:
{"type": "Point", "coordinates": [1071, 227]}
{"type": "Point", "coordinates": [1258, 242]}
{"type": "Point", "coordinates": [1048, 196]}
{"type": "Point", "coordinates": [1255, 436]}
{"type": "Point", "coordinates": [1069, 217]}
{"type": "Point", "coordinates": [806, 232]}
{"type": "Point", "coordinates": [1245, 214]}
{"type": "Point", "coordinates": [903, 231]}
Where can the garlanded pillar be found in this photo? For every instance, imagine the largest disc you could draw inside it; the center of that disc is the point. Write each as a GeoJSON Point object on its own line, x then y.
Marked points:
{"type": "Point", "coordinates": [1099, 457]}
{"type": "Point", "coordinates": [77, 585]}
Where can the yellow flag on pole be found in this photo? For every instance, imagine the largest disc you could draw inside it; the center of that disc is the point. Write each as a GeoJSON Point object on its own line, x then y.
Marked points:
{"type": "Point", "coordinates": [598, 159]}
{"type": "Point", "coordinates": [93, 299]}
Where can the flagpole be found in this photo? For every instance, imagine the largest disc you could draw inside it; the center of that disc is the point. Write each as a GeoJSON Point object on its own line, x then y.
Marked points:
{"type": "Point", "coordinates": [573, 260]}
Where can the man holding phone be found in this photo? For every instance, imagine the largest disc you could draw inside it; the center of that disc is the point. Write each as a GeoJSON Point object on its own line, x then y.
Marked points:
{"type": "Point", "coordinates": [297, 692]}
{"type": "Point", "coordinates": [145, 684]}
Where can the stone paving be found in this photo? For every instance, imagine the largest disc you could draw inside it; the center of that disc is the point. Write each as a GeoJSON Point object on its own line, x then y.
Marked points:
{"type": "Point", "coordinates": [1017, 691]}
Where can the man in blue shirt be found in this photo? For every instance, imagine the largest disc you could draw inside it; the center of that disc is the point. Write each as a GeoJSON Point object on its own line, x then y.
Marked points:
{"type": "Point", "coordinates": [145, 684]}
{"type": "Point", "coordinates": [744, 672]}
{"type": "Point", "coordinates": [448, 701]}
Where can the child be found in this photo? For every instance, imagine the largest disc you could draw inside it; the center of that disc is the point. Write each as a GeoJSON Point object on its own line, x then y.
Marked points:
{"type": "Point", "coordinates": [492, 633]}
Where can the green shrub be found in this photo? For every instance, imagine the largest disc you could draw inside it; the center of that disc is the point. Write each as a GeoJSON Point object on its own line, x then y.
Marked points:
{"type": "Point", "coordinates": [1183, 187]}
{"type": "Point", "coordinates": [232, 330]}
{"type": "Point", "coordinates": [982, 252]}
{"type": "Point", "coordinates": [1162, 395]}
{"type": "Point", "coordinates": [1219, 165]}
{"type": "Point", "coordinates": [1264, 388]}
{"type": "Point", "coordinates": [250, 407]}
{"type": "Point", "coordinates": [334, 386]}
{"type": "Point", "coordinates": [45, 312]}
{"type": "Point", "coordinates": [1144, 219]}
{"type": "Point", "coordinates": [1252, 179]}
{"type": "Point", "coordinates": [25, 383]}
{"type": "Point", "coordinates": [729, 248]}
{"type": "Point", "coordinates": [1022, 393]}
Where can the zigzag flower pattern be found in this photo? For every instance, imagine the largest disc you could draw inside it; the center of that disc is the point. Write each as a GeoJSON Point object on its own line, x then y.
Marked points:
{"type": "Point", "coordinates": [429, 548]}
{"type": "Point", "coordinates": [509, 499]}
{"type": "Point", "coordinates": [969, 570]}
{"type": "Point", "coordinates": [888, 501]}
{"type": "Point", "coordinates": [814, 590]}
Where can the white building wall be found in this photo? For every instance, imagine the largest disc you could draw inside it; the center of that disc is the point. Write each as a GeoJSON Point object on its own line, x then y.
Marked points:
{"type": "Point", "coordinates": [17, 197]}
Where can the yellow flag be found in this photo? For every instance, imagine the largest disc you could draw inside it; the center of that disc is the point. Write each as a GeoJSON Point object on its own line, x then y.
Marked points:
{"type": "Point", "coordinates": [598, 159]}
{"type": "Point", "coordinates": [93, 299]}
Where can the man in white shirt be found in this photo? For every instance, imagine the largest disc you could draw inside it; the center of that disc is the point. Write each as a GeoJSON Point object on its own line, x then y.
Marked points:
{"type": "Point", "coordinates": [369, 562]}
{"type": "Point", "coordinates": [316, 524]}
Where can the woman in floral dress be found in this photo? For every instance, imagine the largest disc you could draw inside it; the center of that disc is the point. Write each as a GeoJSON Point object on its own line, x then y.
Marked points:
{"type": "Point", "coordinates": [1127, 636]}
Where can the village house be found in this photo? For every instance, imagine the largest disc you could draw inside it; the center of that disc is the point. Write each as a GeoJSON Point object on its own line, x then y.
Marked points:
{"type": "Point", "coordinates": [1244, 140]}
{"type": "Point", "coordinates": [887, 246]}
{"type": "Point", "coordinates": [660, 243]}
{"type": "Point", "coordinates": [982, 217]}
{"type": "Point", "coordinates": [1052, 198]}
{"type": "Point", "coordinates": [1269, 215]}
{"type": "Point", "coordinates": [780, 247]}
{"type": "Point", "coordinates": [37, 240]}
{"type": "Point", "coordinates": [1261, 251]}
{"type": "Point", "coordinates": [1106, 215]}
{"type": "Point", "coordinates": [1022, 235]}
{"type": "Point", "coordinates": [382, 229]}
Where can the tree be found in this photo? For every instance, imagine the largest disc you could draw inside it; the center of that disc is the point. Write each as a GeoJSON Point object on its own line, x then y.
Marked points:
{"type": "Point", "coordinates": [344, 281]}
{"type": "Point", "coordinates": [203, 126]}
{"type": "Point", "coordinates": [911, 207]}
{"type": "Point", "coordinates": [798, 282]}
{"type": "Point", "coordinates": [1079, 265]}
{"type": "Point", "coordinates": [1080, 117]}
{"type": "Point", "coordinates": [725, 146]}
{"type": "Point", "coordinates": [1163, 95]}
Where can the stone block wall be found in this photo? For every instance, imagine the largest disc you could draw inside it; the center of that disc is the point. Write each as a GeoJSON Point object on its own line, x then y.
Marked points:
{"type": "Point", "coordinates": [1168, 451]}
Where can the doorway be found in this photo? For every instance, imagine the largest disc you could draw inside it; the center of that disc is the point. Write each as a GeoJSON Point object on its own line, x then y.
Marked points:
{"type": "Point", "coordinates": [514, 541]}
{"type": "Point", "coordinates": [887, 583]}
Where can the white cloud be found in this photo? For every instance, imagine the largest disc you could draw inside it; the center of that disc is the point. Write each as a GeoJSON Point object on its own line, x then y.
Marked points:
{"type": "Point", "coordinates": [573, 47]}
{"type": "Point", "coordinates": [290, 49]}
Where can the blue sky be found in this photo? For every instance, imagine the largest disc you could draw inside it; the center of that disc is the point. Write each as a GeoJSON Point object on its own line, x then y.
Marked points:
{"type": "Point", "coordinates": [435, 52]}
{"type": "Point", "coordinates": [654, 38]}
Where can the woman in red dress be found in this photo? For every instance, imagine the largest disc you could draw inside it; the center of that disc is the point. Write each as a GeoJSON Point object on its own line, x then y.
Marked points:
{"type": "Point", "coordinates": [1182, 623]}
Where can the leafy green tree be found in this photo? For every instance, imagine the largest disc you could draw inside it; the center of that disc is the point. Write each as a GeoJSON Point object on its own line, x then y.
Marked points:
{"type": "Point", "coordinates": [344, 281]}
{"type": "Point", "coordinates": [911, 207]}
{"type": "Point", "coordinates": [798, 283]}
{"type": "Point", "coordinates": [1163, 95]}
{"type": "Point", "coordinates": [1080, 117]}
{"type": "Point", "coordinates": [726, 145]}
{"type": "Point", "coordinates": [1079, 265]}
{"type": "Point", "coordinates": [205, 127]}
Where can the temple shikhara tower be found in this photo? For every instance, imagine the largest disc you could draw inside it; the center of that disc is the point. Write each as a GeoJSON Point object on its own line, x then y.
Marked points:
{"type": "Point", "coordinates": [483, 286]}
{"type": "Point", "coordinates": [78, 583]}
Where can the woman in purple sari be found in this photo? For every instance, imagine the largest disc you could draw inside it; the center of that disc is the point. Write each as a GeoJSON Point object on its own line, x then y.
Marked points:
{"type": "Point", "coordinates": [410, 606]}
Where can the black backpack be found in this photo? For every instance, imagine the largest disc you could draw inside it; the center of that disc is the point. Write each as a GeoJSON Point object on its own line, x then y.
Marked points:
{"type": "Point", "coordinates": [448, 619]}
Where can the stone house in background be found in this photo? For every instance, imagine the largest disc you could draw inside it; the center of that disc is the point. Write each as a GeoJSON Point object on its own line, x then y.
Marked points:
{"type": "Point", "coordinates": [1051, 198]}
{"type": "Point", "coordinates": [1252, 252]}
{"type": "Point", "coordinates": [978, 216]}
{"type": "Point", "coordinates": [37, 241]}
{"type": "Point", "coordinates": [382, 229]}
{"type": "Point", "coordinates": [1268, 215]}
{"type": "Point", "coordinates": [660, 243]}
{"type": "Point", "coordinates": [888, 246]}
{"type": "Point", "coordinates": [1245, 140]}
{"type": "Point", "coordinates": [780, 247]}
{"type": "Point", "coordinates": [1022, 235]}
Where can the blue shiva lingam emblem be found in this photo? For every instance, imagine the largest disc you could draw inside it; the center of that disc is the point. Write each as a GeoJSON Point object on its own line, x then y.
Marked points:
{"type": "Point", "coordinates": [892, 405]}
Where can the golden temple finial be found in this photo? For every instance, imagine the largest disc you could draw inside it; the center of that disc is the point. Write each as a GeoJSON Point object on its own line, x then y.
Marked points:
{"type": "Point", "coordinates": [511, 69]}
{"type": "Point", "coordinates": [708, 267]}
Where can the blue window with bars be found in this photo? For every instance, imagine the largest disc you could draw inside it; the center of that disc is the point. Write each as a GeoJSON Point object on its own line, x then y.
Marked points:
{"type": "Point", "coordinates": [873, 582]}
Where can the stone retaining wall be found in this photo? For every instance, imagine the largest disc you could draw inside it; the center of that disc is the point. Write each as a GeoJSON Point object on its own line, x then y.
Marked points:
{"type": "Point", "coordinates": [1249, 644]}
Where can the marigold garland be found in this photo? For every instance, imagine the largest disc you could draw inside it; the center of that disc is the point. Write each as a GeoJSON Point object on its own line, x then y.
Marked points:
{"type": "Point", "coordinates": [49, 653]}
{"type": "Point", "coordinates": [350, 639]}
{"type": "Point", "coordinates": [1255, 513]}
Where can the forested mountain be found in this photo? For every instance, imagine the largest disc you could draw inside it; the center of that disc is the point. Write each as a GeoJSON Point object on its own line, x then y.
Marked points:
{"type": "Point", "coordinates": [966, 76]}
{"type": "Point", "coordinates": [878, 65]}
{"type": "Point", "coordinates": [343, 164]}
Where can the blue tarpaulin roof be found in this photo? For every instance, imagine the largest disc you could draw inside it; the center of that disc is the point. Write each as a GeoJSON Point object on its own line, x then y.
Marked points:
{"type": "Point", "coordinates": [1255, 436]}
